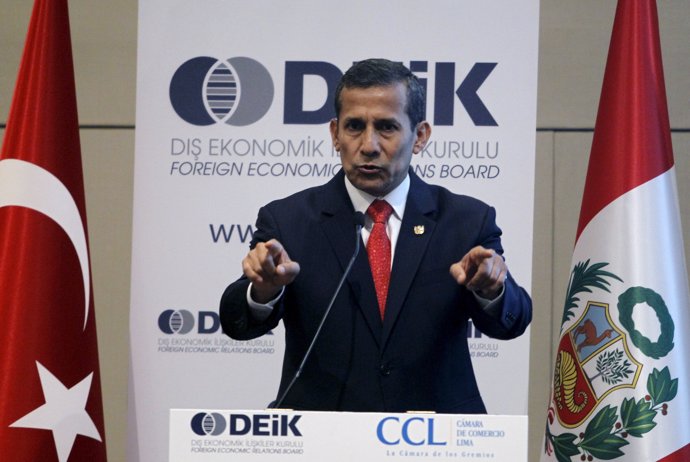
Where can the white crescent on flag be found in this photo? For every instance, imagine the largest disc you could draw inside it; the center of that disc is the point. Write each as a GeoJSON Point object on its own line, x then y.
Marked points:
{"type": "Point", "coordinates": [24, 184]}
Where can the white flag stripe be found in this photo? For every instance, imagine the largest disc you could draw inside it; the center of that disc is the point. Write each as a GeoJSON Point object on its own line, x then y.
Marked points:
{"type": "Point", "coordinates": [641, 232]}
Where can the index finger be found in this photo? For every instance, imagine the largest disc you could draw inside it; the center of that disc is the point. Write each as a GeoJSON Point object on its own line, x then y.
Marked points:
{"type": "Point", "coordinates": [479, 253]}
{"type": "Point", "coordinates": [274, 247]}
{"type": "Point", "coordinates": [474, 258]}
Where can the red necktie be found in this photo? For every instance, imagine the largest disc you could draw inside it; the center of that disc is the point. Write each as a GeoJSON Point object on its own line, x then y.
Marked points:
{"type": "Point", "coordinates": [379, 250]}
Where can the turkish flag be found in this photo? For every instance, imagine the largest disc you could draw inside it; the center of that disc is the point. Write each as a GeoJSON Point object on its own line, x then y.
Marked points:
{"type": "Point", "coordinates": [50, 390]}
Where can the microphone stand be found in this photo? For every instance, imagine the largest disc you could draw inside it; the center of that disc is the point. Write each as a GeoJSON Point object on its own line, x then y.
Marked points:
{"type": "Point", "coordinates": [359, 222]}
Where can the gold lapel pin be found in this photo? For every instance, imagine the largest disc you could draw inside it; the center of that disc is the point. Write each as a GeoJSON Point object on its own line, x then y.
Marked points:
{"type": "Point", "coordinates": [419, 230]}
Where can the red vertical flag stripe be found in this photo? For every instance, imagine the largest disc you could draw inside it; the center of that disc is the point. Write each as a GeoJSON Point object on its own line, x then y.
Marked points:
{"type": "Point", "coordinates": [48, 347]}
{"type": "Point", "coordinates": [630, 124]}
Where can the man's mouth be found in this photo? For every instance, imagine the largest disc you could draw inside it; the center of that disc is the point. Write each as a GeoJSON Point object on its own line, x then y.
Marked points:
{"type": "Point", "coordinates": [369, 169]}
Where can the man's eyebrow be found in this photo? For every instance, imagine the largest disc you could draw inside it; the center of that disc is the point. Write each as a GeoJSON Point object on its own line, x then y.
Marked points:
{"type": "Point", "coordinates": [351, 119]}
{"type": "Point", "coordinates": [380, 121]}
{"type": "Point", "coordinates": [388, 120]}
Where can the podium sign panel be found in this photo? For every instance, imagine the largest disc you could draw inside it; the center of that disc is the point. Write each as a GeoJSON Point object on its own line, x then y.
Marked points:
{"type": "Point", "coordinates": [213, 435]}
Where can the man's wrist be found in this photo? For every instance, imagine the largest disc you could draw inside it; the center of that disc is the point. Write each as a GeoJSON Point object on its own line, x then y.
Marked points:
{"type": "Point", "coordinates": [264, 296]}
{"type": "Point", "coordinates": [261, 311]}
{"type": "Point", "coordinates": [491, 306]}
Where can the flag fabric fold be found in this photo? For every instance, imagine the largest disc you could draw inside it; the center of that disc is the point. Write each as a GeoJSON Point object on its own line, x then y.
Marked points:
{"type": "Point", "coordinates": [50, 382]}
{"type": "Point", "coordinates": [621, 383]}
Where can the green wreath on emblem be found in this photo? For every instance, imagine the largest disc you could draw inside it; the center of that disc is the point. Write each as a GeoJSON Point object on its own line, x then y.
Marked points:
{"type": "Point", "coordinates": [626, 305]}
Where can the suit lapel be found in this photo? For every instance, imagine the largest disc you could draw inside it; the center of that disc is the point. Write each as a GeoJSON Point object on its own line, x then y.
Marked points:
{"type": "Point", "coordinates": [339, 227]}
{"type": "Point", "coordinates": [416, 230]}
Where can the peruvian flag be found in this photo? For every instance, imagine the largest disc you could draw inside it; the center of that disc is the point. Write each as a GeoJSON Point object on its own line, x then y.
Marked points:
{"type": "Point", "coordinates": [621, 384]}
{"type": "Point", "coordinates": [50, 393]}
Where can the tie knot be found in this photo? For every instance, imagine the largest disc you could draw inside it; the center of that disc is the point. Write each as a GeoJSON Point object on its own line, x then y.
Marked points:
{"type": "Point", "coordinates": [380, 211]}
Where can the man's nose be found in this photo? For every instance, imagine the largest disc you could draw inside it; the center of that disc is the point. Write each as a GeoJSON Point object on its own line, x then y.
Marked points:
{"type": "Point", "coordinates": [370, 142]}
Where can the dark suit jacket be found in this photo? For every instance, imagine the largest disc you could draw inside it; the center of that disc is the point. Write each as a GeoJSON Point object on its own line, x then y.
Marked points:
{"type": "Point", "coordinates": [417, 358]}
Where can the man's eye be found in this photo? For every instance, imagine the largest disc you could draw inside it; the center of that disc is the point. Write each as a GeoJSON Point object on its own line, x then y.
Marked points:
{"type": "Point", "coordinates": [354, 125]}
{"type": "Point", "coordinates": [387, 127]}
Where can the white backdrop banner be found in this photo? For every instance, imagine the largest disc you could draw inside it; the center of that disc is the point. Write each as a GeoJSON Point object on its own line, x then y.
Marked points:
{"type": "Point", "coordinates": [207, 159]}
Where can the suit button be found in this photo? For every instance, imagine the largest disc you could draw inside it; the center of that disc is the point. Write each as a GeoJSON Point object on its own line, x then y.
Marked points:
{"type": "Point", "coordinates": [385, 370]}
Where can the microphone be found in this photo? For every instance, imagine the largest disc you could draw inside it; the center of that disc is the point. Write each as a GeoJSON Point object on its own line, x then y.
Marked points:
{"type": "Point", "coordinates": [359, 223]}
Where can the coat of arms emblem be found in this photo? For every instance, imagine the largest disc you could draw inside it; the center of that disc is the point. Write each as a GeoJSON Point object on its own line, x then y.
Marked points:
{"type": "Point", "coordinates": [594, 361]}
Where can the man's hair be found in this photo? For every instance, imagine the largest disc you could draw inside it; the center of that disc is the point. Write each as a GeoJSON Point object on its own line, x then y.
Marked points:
{"type": "Point", "coordinates": [380, 73]}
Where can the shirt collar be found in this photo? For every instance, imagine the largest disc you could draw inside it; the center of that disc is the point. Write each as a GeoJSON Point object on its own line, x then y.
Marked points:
{"type": "Point", "coordinates": [396, 198]}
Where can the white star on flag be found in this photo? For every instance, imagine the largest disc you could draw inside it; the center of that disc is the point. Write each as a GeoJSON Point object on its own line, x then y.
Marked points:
{"type": "Point", "coordinates": [64, 412]}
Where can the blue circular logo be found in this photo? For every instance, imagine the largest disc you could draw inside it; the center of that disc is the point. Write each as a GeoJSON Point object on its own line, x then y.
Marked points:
{"type": "Point", "coordinates": [176, 321]}
{"type": "Point", "coordinates": [238, 91]}
{"type": "Point", "coordinates": [204, 424]}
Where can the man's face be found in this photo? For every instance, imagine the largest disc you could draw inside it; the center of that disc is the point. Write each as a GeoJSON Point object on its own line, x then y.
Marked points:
{"type": "Point", "coordinates": [374, 137]}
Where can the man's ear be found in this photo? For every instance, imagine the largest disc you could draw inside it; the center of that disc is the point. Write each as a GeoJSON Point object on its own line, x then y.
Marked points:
{"type": "Point", "coordinates": [333, 127]}
{"type": "Point", "coordinates": [422, 135]}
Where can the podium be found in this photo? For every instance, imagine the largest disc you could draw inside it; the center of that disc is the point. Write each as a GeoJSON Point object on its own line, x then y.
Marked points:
{"type": "Point", "coordinates": [202, 435]}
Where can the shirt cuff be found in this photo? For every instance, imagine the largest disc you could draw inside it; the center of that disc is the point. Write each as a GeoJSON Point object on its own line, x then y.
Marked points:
{"type": "Point", "coordinates": [261, 311]}
{"type": "Point", "coordinates": [491, 307]}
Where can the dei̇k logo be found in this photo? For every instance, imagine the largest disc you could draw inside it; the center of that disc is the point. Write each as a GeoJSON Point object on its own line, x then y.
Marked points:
{"type": "Point", "coordinates": [183, 321]}
{"type": "Point", "coordinates": [204, 424]}
{"type": "Point", "coordinates": [237, 91]}
{"type": "Point", "coordinates": [215, 424]}
{"type": "Point", "coordinates": [195, 332]}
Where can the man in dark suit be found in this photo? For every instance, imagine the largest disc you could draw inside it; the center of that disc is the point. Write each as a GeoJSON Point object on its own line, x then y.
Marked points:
{"type": "Point", "coordinates": [396, 337]}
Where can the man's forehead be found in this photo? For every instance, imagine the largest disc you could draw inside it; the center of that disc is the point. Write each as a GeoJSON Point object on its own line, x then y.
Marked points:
{"type": "Point", "coordinates": [399, 88]}
{"type": "Point", "coordinates": [389, 99]}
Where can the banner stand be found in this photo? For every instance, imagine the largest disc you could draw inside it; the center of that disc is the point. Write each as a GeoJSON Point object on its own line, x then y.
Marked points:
{"type": "Point", "coordinates": [203, 170]}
